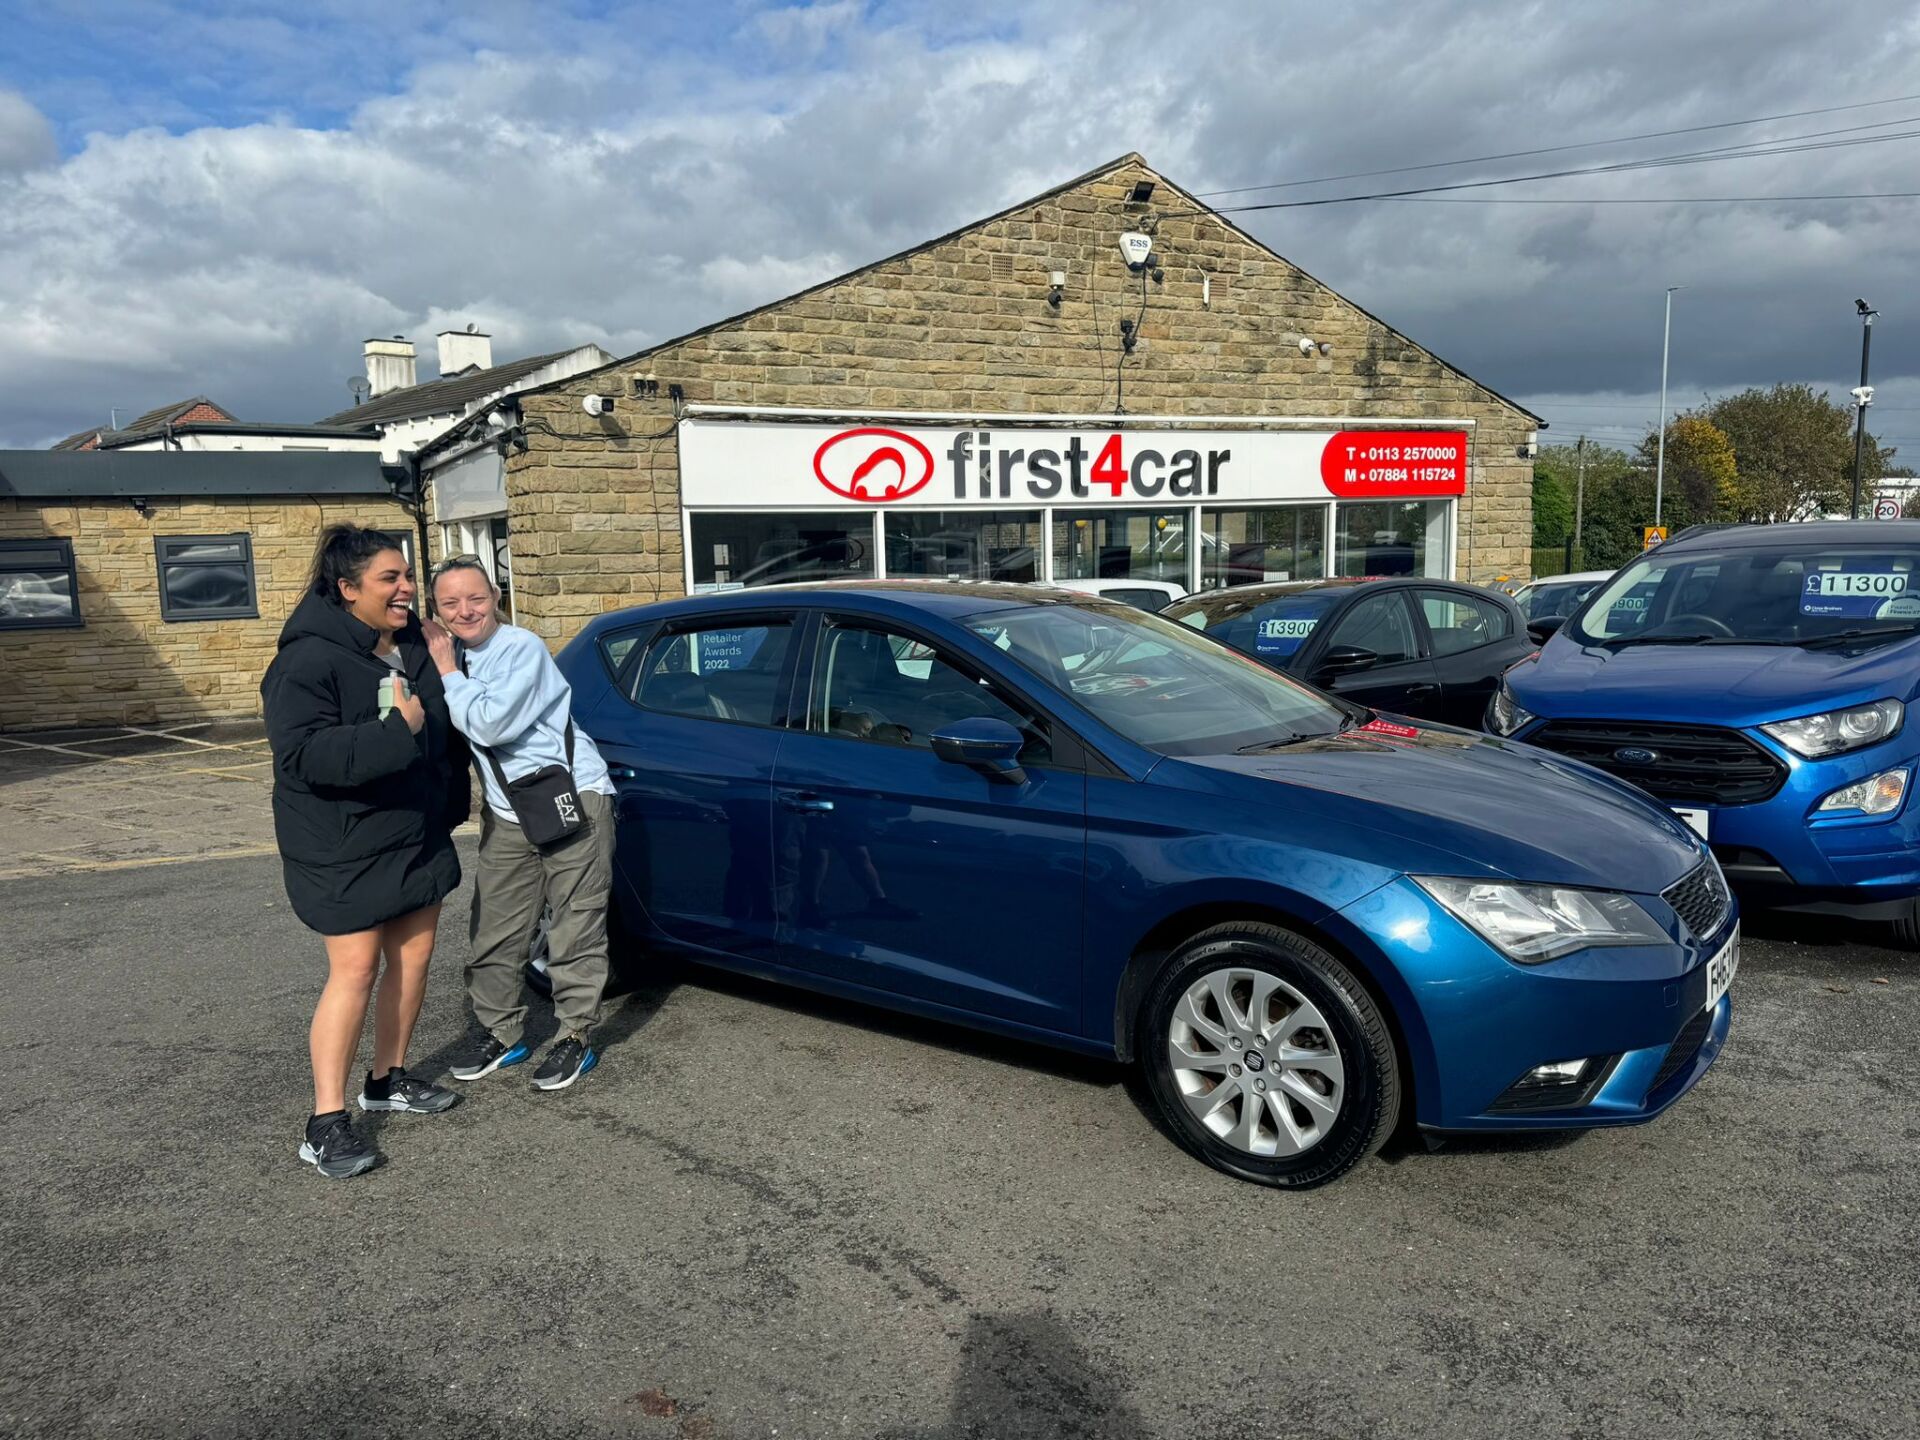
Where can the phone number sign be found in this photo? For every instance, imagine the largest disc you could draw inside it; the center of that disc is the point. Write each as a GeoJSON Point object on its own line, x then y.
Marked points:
{"type": "Point", "coordinates": [1372, 464]}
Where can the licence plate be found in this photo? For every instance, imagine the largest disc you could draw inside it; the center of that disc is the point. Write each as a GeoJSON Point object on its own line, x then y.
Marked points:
{"type": "Point", "coordinates": [1696, 821]}
{"type": "Point", "coordinates": [1720, 970]}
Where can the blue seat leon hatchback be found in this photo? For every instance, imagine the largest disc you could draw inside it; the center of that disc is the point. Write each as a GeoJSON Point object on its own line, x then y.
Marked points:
{"type": "Point", "coordinates": [1064, 819]}
{"type": "Point", "coordinates": [1755, 678]}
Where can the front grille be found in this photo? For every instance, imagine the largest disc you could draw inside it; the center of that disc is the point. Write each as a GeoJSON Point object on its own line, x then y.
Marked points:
{"type": "Point", "coordinates": [1685, 1046]}
{"type": "Point", "coordinates": [1701, 899]}
{"type": "Point", "coordinates": [1690, 764]}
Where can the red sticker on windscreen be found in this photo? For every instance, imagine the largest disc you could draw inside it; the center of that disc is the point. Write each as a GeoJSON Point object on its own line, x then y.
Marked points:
{"type": "Point", "coordinates": [1387, 727]}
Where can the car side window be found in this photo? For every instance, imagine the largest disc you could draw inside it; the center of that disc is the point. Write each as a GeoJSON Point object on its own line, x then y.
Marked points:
{"type": "Point", "coordinates": [1459, 622]}
{"type": "Point", "coordinates": [887, 688]}
{"type": "Point", "coordinates": [1380, 623]}
{"type": "Point", "coordinates": [715, 673]}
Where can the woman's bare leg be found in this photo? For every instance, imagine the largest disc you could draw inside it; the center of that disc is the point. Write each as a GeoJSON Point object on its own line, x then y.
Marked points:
{"type": "Point", "coordinates": [352, 962]}
{"type": "Point", "coordinates": [408, 943]}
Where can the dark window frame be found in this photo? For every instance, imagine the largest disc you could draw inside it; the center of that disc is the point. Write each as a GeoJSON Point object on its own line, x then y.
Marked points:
{"type": "Point", "coordinates": [1457, 596]}
{"type": "Point", "coordinates": [174, 615]}
{"type": "Point", "coordinates": [62, 547]}
{"type": "Point", "coordinates": [633, 669]}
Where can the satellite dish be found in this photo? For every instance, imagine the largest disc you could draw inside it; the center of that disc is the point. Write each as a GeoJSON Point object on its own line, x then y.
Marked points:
{"type": "Point", "coordinates": [360, 388]}
{"type": "Point", "coordinates": [470, 327]}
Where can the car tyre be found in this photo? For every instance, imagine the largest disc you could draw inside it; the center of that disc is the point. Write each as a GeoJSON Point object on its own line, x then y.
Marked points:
{"type": "Point", "coordinates": [1247, 1003]}
{"type": "Point", "coordinates": [1906, 928]}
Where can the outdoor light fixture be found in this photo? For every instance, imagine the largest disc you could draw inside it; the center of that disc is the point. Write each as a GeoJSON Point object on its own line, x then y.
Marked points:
{"type": "Point", "coordinates": [1057, 279]}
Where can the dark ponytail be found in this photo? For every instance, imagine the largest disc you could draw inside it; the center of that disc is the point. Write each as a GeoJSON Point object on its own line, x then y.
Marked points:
{"type": "Point", "coordinates": [344, 553]}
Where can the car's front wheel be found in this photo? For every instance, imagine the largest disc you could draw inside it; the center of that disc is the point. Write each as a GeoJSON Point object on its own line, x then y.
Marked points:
{"type": "Point", "coordinates": [1267, 1056]}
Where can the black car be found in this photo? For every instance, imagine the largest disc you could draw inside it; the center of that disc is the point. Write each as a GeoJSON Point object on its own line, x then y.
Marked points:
{"type": "Point", "coordinates": [1429, 648]}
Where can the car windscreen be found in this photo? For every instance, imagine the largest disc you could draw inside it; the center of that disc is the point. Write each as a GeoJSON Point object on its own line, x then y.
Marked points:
{"type": "Point", "coordinates": [1792, 592]}
{"type": "Point", "coordinates": [1547, 598]}
{"type": "Point", "coordinates": [1157, 682]}
{"type": "Point", "coordinates": [1274, 627]}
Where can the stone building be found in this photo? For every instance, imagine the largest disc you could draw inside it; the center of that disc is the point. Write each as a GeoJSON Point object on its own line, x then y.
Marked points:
{"type": "Point", "coordinates": [1013, 400]}
{"type": "Point", "coordinates": [145, 587]}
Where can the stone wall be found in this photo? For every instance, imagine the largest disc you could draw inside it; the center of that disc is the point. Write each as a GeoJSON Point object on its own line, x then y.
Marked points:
{"type": "Point", "coordinates": [125, 665]}
{"type": "Point", "coordinates": [964, 324]}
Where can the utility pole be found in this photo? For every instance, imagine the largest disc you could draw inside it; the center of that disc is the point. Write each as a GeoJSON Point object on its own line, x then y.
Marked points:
{"type": "Point", "coordinates": [1660, 465]}
{"type": "Point", "coordinates": [1862, 397]}
{"type": "Point", "coordinates": [1579, 491]}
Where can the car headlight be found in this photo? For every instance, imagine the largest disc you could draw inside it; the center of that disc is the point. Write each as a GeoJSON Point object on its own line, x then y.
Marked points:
{"type": "Point", "coordinates": [1877, 795]}
{"type": "Point", "coordinates": [1838, 731]}
{"type": "Point", "coordinates": [1506, 715]}
{"type": "Point", "coordinates": [1534, 923]}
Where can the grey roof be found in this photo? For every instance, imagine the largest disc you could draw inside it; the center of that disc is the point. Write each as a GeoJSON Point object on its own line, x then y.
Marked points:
{"type": "Point", "coordinates": [446, 395]}
{"type": "Point", "coordinates": [54, 474]}
{"type": "Point", "coordinates": [154, 420]}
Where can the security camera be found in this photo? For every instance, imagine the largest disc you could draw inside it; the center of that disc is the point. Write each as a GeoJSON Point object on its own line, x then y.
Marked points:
{"type": "Point", "coordinates": [1862, 395]}
{"type": "Point", "coordinates": [1306, 346]}
{"type": "Point", "coordinates": [1324, 348]}
{"type": "Point", "coordinates": [598, 405]}
{"type": "Point", "coordinates": [496, 421]}
{"type": "Point", "coordinates": [1862, 307]}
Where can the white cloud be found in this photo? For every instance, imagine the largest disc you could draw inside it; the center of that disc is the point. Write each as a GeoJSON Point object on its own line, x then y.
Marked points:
{"type": "Point", "coordinates": [26, 139]}
{"type": "Point", "coordinates": [634, 184]}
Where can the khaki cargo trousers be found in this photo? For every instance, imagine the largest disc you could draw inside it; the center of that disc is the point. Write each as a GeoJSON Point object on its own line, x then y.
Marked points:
{"type": "Point", "coordinates": [514, 880]}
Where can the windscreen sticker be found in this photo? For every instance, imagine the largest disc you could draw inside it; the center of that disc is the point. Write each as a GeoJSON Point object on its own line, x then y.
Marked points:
{"type": "Point", "coordinates": [1283, 636]}
{"type": "Point", "coordinates": [1855, 594]}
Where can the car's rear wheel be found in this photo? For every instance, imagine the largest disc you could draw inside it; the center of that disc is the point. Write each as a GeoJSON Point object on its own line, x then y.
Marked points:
{"type": "Point", "coordinates": [1267, 1057]}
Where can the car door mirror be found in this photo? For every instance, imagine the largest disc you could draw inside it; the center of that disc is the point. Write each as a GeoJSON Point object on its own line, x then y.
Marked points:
{"type": "Point", "coordinates": [1542, 630]}
{"type": "Point", "coordinates": [1346, 659]}
{"type": "Point", "coordinates": [985, 744]}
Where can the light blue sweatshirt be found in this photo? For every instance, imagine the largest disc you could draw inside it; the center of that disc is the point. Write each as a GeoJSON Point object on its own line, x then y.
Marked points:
{"type": "Point", "coordinates": [513, 700]}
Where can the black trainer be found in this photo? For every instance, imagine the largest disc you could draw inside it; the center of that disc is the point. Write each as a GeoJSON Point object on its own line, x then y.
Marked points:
{"type": "Point", "coordinates": [490, 1056]}
{"type": "Point", "coordinates": [400, 1091]}
{"type": "Point", "coordinates": [333, 1149]}
{"type": "Point", "coordinates": [569, 1059]}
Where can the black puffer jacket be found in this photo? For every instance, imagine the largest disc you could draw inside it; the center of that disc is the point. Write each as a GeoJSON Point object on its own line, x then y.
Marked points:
{"type": "Point", "coordinates": [362, 808]}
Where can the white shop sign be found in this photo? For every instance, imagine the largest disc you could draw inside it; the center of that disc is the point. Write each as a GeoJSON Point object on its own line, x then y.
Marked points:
{"type": "Point", "coordinates": [737, 465]}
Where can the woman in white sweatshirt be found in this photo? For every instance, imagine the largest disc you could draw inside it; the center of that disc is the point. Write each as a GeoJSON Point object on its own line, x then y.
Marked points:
{"type": "Point", "coordinates": [511, 702]}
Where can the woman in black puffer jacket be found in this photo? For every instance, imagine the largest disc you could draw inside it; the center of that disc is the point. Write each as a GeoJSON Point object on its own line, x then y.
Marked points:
{"type": "Point", "coordinates": [369, 778]}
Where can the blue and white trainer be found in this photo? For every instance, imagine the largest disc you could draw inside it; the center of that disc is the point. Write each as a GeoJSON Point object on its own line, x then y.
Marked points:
{"type": "Point", "coordinates": [569, 1059]}
{"type": "Point", "coordinates": [490, 1056]}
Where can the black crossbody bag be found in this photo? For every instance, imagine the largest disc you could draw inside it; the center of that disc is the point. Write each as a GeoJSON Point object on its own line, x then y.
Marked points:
{"type": "Point", "coordinates": [545, 802]}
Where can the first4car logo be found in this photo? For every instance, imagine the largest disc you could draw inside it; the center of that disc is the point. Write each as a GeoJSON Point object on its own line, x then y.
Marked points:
{"type": "Point", "coordinates": [873, 464]}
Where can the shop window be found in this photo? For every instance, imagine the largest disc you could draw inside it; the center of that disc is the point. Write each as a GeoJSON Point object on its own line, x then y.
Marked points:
{"type": "Point", "coordinates": [39, 589]}
{"type": "Point", "coordinates": [1250, 547]}
{"type": "Point", "coordinates": [206, 577]}
{"type": "Point", "coordinates": [721, 673]}
{"type": "Point", "coordinates": [732, 551]}
{"type": "Point", "coordinates": [1121, 545]}
{"type": "Point", "coordinates": [963, 544]}
{"type": "Point", "coordinates": [1392, 537]}
{"type": "Point", "coordinates": [1457, 622]}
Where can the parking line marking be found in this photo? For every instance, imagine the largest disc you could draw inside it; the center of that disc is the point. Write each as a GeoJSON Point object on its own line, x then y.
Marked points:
{"type": "Point", "coordinates": [92, 867]}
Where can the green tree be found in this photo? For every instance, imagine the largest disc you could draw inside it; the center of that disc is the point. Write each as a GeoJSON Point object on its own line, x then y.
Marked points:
{"type": "Point", "coordinates": [1608, 513]}
{"type": "Point", "coordinates": [1552, 509]}
{"type": "Point", "coordinates": [1794, 449]}
{"type": "Point", "coordinates": [1700, 467]}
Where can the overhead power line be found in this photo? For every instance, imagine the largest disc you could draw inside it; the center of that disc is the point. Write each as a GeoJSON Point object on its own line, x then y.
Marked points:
{"type": "Point", "coordinates": [1561, 149]}
{"type": "Point", "coordinates": [1702, 157]}
{"type": "Point", "coordinates": [1643, 200]}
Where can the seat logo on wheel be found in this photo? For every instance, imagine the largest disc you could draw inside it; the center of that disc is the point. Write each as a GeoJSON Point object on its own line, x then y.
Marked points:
{"type": "Point", "coordinates": [873, 465]}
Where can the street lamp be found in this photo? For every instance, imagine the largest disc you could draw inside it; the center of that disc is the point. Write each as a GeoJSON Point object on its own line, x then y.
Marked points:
{"type": "Point", "coordinates": [1862, 397]}
{"type": "Point", "coordinates": [1660, 465]}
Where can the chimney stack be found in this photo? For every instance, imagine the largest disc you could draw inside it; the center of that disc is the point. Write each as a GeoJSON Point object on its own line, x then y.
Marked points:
{"type": "Point", "coordinates": [462, 349]}
{"type": "Point", "coordinates": [389, 365]}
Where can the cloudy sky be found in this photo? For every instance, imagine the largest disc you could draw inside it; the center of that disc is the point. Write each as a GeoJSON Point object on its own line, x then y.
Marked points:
{"type": "Point", "coordinates": [228, 198]}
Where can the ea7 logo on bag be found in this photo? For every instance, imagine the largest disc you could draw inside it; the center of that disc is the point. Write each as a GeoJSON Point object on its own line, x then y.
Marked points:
{"type": "Point", "coordinates": [873, 464]}
{"type": "Point", "coordinates": [569, 812]}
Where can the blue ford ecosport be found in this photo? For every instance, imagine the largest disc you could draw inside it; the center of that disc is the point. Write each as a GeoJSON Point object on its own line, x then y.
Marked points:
{"type": "Point", "coordinates": [1756, 678]}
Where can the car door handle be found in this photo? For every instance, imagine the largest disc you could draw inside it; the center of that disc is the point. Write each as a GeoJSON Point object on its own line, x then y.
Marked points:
{"type": "Point", "coordinates": [1422, 689]}
{"type": "Point", "coordinates": [622, 772]}
{"type": "Point", "coordinates": [805, 802]}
